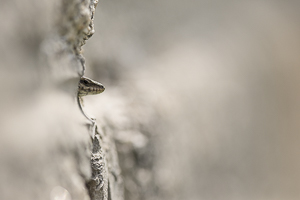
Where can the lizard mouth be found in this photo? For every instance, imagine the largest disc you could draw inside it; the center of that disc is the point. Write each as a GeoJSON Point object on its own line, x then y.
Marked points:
{"type": "Point", "coordinates": [93, 89]}
{"type": "Point", "coordinates": [83, 90]}
{"type": "Point", "coordinates": [96, 89]}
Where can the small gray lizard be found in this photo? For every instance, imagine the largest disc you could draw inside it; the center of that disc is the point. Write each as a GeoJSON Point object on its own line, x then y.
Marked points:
{"type": "Point", "coordinates": [88, 86]}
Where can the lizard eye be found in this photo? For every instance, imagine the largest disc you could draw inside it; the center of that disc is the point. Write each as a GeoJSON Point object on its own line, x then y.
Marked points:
{"type": "Point", "coordinates": [85, 82]}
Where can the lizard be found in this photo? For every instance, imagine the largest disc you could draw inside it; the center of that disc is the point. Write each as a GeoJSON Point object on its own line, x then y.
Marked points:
{"type": "Point", "coordinates": [88, 86]}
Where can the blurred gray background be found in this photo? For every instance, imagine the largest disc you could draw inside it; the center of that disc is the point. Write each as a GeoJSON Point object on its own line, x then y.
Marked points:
{"type": "Point", "coordinates": [224, 76]}
{"type": "Point", "coordinates": [218, 80]}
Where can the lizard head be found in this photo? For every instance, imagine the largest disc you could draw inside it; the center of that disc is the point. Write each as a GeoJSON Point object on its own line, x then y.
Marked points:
{"type": "Point", "coordinates": [88, 87]}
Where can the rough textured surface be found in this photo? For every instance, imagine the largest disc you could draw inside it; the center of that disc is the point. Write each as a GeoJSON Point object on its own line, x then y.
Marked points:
{"type": "Point", "coordinates": [98, 185]}
{"type": "Point", "coordinates": [46, 148]}
{"type": "Point", "coordinates": [201, 98]}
